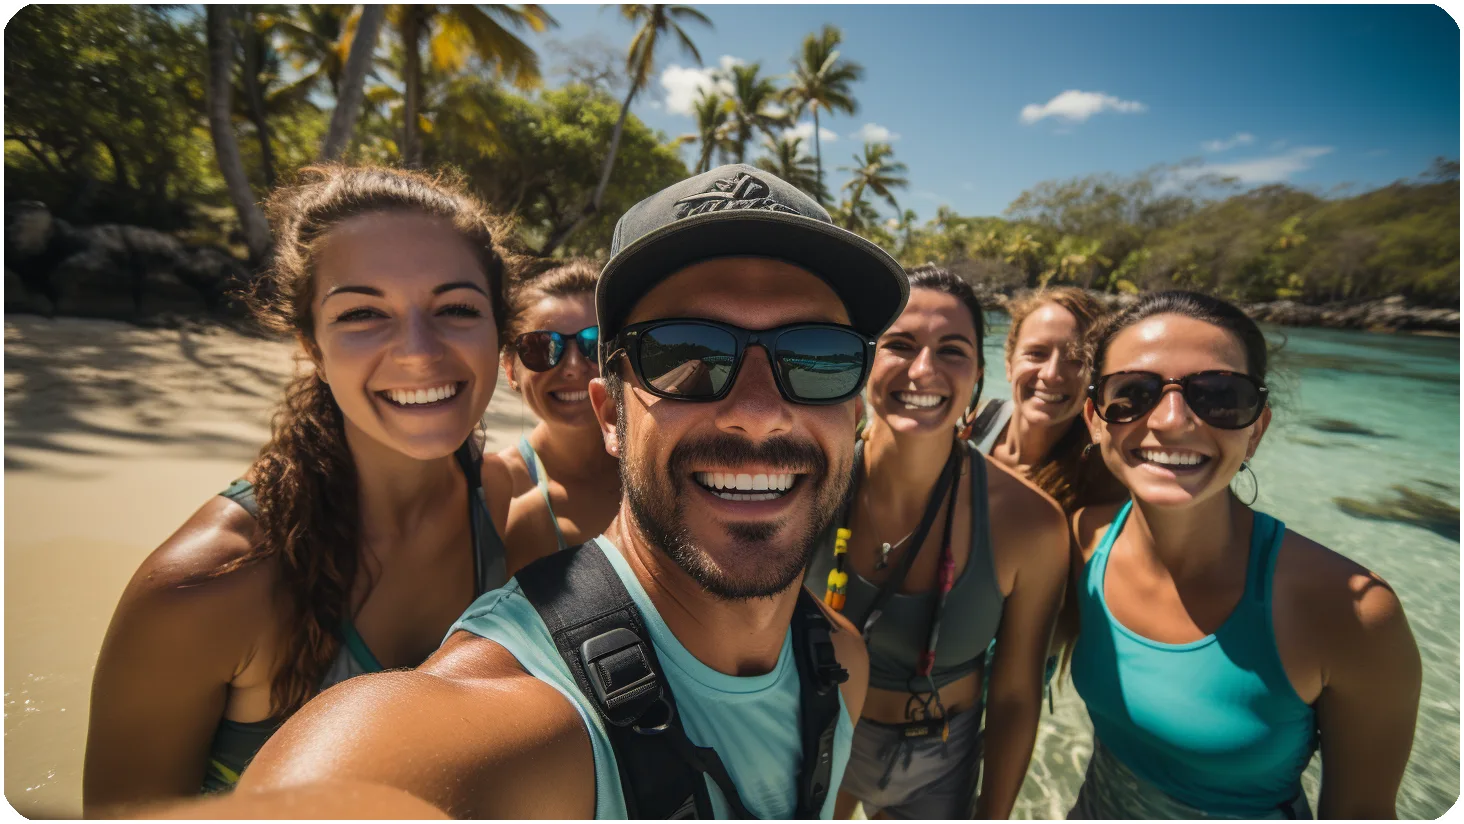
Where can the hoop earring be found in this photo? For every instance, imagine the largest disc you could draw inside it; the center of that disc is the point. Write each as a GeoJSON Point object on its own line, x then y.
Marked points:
{"type": "Point", "coordinates": [1255, 483]}
{"type": "Point", "coordinates": [1087, 451]}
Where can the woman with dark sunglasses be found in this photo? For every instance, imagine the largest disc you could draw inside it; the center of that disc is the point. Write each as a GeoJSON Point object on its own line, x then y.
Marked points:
{"type": "Point", "coordinates": [1217, 647]}
{"type": "Point", "coordinates": [938, 551]}
{"type": "Point", "coordinates": [566, 487]}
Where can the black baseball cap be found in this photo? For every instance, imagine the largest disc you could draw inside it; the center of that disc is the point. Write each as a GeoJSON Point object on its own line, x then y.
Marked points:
{"type": "Point", "coordinates": [739, 210]}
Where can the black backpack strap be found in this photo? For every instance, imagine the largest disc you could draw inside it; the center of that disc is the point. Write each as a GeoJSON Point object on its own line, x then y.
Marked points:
{"type": "Point", "coordinates": [819, 677]}
{"type": "Point", "coordinates": [599, 633]}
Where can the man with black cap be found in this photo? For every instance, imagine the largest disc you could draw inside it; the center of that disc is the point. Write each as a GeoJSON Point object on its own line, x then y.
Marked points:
{"type": "Point", "coordinates": [674, 666]}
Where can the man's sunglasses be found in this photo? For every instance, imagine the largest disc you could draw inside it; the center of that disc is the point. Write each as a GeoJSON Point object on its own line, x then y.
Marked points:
{"type": "Point", "coordinates": [542, 350]}
{"type": "Point", "coordinates": [1224, 400]}
{"type": "Point", "coordinates": [690, 359]}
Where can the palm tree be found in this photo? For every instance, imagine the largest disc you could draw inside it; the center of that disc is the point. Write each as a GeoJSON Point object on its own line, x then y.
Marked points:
{"type": "Point", "coordinates": [1024, 252]}
{"type": "Point", "coordinates": [856, 214]}
{"type": "Point", "coordinates": [786, 159]}
{"type": "Point", "coordinates": [656, 22]}
{"type": "Point", "coordinates": [821, 81]}
{"type": "Point", "coordinates": [906, 227]}
{"type": "Point", "coordinates": [351, 89]}
{"type": "Point", "coordinates": [455, 34]}
{"type": "Point", "coordinates": [713, 114]}
{"type": "Point", "coordinates": [877, 172]}
{"type": "Point", "coordinates": [754, 108]}
{"type": "Point", "coordinates": [220, 35]}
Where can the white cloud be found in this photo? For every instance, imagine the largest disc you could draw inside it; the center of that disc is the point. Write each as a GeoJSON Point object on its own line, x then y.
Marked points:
{"type": "Point", "coordinates": [683, 85]}
{"type": "Point", "coordinates": [805, 131]}
{"type": "Point", "coordinates": [653, 103]}
{"type": "Point", "coordinates": [1079, 106]}
{"type": "Point", "coordinates": [1273, 169]}
{"type": "Point", "coordinates": [1237, 139]}
{"type": "Point", "coordinates": [874, 133]}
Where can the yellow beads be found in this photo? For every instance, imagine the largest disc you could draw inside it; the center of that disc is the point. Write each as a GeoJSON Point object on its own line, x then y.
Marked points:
{"type": "Point", "coordinates": [838, 582]}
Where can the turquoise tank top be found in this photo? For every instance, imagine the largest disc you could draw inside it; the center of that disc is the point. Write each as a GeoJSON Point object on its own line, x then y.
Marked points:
{"type": "Point", "coordinates": [539, 477]}
{"type": "Point", "coordinates": [752, 722]}
{"type": "Point", "coordinates": [1214, 723]}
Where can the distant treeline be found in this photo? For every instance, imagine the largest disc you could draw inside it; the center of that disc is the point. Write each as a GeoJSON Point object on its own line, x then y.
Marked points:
{"type": "Point", "coordinates": [181, 118]}
{"type": "Point", "coordinates": [1270, 243]}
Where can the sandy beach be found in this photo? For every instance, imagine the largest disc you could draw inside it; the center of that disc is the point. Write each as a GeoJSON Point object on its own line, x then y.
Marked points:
{"type": "Point", "coordinates": [114, 435]}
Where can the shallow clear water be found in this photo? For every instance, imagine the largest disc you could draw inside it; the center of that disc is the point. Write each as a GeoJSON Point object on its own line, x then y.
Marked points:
{"type": "Point", "coordinates": [1403, 389]}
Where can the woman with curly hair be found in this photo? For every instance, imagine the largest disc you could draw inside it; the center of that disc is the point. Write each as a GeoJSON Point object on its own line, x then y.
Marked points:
{"type": "Point", "coordinates": [368, 523]}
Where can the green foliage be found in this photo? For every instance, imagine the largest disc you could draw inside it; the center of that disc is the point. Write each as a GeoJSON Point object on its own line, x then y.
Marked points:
{"type": "Point", "coordinates": [539, 158]}
{"type": "Point", "coordinates": [104, 114]}
{"type": "Point", "coordinates": [1271, 243]}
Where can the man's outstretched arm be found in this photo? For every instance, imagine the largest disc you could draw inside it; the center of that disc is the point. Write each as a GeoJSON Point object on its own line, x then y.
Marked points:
{"type": "Point", "coordinates": [468, 734]}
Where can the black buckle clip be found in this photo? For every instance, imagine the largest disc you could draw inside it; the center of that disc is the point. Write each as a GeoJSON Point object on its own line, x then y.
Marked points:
{"type": "Point", "coordinates": [619, 670]}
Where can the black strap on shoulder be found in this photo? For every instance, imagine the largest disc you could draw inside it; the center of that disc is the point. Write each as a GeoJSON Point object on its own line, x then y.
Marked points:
{"type": "Point", "coordinates": [601, 636]}
{"type": "Point", "coordinates": [984, 420]}
{"type": "Point", "coordinates": [819, 677]}
{"type": "Point", "coordinates": [917, 540]}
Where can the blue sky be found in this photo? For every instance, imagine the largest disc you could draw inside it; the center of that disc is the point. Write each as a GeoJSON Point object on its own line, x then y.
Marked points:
{"type": "Point", "coordinates": [984, 102]}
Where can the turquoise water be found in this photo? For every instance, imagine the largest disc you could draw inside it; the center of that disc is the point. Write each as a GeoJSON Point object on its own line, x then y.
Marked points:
{"type": "Point", "coordinates": [1403, 389]}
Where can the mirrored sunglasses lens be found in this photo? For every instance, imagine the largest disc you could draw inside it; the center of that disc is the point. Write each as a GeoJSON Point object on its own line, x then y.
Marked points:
{"type": "Point", "coordinates": [687, 359]}
{"type": "Point", "coordinates": [820, 364]}
{"type": "Point", "coordinates": [588, 339]}
{"type": "Point", "coordinates": [540, 351]}
{"type": "Point", "coordinates": [1224, 401]}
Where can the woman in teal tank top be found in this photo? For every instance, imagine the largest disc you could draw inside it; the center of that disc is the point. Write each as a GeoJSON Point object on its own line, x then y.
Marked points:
{"type": "Point", "coordinates": [370, 519]}
{"type": "Point", "coordinates": [1218, 651]}
{"type": "Point", "coordinates": [566, 487]}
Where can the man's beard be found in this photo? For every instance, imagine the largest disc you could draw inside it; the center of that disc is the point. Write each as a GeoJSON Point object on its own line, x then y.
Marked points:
{"type": "Point", "coordinates": [656, 503]}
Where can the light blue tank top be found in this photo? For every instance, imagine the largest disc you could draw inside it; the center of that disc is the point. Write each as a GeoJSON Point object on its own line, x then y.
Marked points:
{"type": "Point", "coordinates": [1214, 723]}
{"type": "Point", "coordinates": [752, 722]}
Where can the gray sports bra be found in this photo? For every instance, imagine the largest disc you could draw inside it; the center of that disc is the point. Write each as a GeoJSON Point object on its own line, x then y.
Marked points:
{"type": "Point", "coordinates": [968, 625]}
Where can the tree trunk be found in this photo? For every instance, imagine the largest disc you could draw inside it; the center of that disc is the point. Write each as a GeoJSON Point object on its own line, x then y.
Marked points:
{"type": "Point", "coordinates": [220, 122]}
{"type": "Point", "coordinates": [818, 157]}
{"type": "Point", "coordinates": [352, 90]}
{"type": "Point", "coordinates": [412, 42]}
{"type": "Point", "coordinates": [253, 45]}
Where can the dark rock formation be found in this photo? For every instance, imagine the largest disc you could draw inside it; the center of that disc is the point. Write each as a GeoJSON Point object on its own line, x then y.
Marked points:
{"type": "Point", "coordinates": [112, 271]}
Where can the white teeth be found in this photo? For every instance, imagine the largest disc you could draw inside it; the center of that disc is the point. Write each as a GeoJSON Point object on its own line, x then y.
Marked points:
{"type": "Point", "coordinates": [757, 496]}
{"type": "Point", "coordinates": [1047, 397]}
{"type": "Point", "coordinates": [776, 483]}
{"type": "Point", "coordinates": [1171, 458]}
{"type": "Point", "coordinates": [571, 397]}
{"type": "Point", "coordinates": [407, 397]}
{"type": "Point", "coordinates": [922, 401]}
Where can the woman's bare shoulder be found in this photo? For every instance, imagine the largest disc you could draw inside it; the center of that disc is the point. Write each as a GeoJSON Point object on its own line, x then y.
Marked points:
{"type": "Point", "coordinates": [518, 471]}
{"type": "Point", "coordinates": [197, 570]}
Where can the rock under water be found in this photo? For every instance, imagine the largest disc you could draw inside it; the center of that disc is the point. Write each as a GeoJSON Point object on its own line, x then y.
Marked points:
{"type": "Point", "coordinates": [1342, 427]}
{"type": "Point", "coordinates": [1409, 507]}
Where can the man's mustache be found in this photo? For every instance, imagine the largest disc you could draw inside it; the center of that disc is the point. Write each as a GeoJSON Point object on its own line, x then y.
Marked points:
{"type": "Point", "coordinates": [782, 452]}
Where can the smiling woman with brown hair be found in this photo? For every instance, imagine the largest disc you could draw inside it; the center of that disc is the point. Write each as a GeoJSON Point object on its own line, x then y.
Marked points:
{"type": "Point", "coordinates": [983, 556]}
{"type": "Point", "coordinates": [368, 523]}
{"type": "Point", "coordinates": [1218, 648]}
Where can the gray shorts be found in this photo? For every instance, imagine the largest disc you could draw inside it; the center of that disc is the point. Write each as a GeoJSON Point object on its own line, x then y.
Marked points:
{"type": "Point", "coordinates": [911, 778]}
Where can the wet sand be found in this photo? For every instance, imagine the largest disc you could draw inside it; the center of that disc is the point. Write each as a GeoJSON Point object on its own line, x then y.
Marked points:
{"type": "Point", "coordinates": [113, 436]}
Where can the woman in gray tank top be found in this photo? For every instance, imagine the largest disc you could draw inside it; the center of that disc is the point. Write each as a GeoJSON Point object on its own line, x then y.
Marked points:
{"type": "Point", "coordinates": [566, 487]}
{"type": "Point", "coordinates": [369, 521]}
{"type": "Point", "coordinates": [992, 567]}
